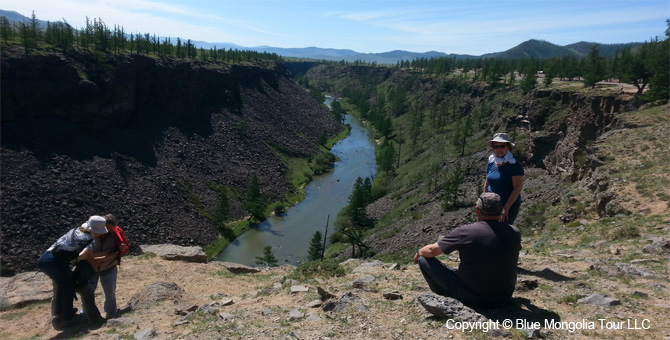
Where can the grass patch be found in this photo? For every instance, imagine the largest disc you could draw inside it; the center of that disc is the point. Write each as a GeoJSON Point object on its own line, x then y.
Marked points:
{"type": "Point", "coordinates": [4, 304]}
{"type": "Point", "coordinates": [336, 249]}
{"type": "Point", "coordinates": [14, 315]}
{"type": "Point", "coordinates": [300, 174]}
{"type": "Point", "coordinates": [317, 269]}
{"type": "Point", "coordinates": [301, 170]}
{"type": "Point", "coordinates": [569, 299]}
{"type": "Point", "coordinates": [542, 244]}
{"type": "Point", "coordinates": [342, 135]}
{"type": "Point", "coordinates": [229, 233]}
{"type": "Point", "coordinates": [147, 255]}
{"type": "Point", "coordinates": [225, 273]}
{"type": "Point", "coordinates": [626, 233]}
{"type": "Point", "coordinates": [401, 256]}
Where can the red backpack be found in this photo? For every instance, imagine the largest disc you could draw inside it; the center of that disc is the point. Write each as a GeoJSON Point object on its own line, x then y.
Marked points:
{"type": "Point", "coordinates": [121, 239]}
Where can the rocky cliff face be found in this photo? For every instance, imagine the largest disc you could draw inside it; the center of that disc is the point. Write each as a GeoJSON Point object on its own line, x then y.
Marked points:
{"type": "Point", "coordinates": [559, 145]}
{"type": "Point", "coordinates": [553, 131]}
{"type": "Point", "coordinates": [151, 141]}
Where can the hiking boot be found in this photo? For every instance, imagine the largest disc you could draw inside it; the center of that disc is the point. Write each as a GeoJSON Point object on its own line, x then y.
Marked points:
{"type": "Point", "coordinates": [60, 324]}
{"type": "Point", "coordinates": [96, 320]}
{"type": "Point", "coordinates": [112, 315]}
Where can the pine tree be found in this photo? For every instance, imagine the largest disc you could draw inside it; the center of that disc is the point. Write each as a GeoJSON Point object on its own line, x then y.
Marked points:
{"type": "Point", "coordinates": [315, 247]}
{"type": "Point", "coordinates": [268, 259]}
{"type": "Point", "coordinates": [462, 131]}
{"type": "Point", "coordinates": [6, 30]}
{"type": "Point", "coordinates": [386, 157]}
{"type": "Point", "coordinates": [595, 68]}
{"type": "Point", "coordinates": [323, 139]}
{"type": "Point", "coordinates": [337, 111]}
{"type": "Point", "coordinates": [254, 202]}
{"type": "Point", "coordinates": [528, 82]}
{"type": "Point", "coordinates": [452, 188]}
{"type": "Point", "coordinates": [222, 207]}
{"type": "Point", "coordinates": [658, 60]}
{"type": "Point", "coordinates": [548, 78]}
{"type": "Point", "coordinates": [358, 201]}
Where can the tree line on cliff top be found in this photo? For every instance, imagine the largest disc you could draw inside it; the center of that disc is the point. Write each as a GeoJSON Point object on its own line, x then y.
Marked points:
{"type": "Point", "coordinates": [646, 65]}
{"type": "Point", "coordinates": [96, 36]}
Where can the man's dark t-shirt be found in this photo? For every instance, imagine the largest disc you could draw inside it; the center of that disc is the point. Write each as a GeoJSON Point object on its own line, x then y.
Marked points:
{"type": "Point", "coordinates": [489, 252]}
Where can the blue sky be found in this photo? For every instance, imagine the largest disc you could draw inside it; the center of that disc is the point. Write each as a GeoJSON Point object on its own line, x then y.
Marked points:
{"type": "Point", "coordinates": [370, 26]}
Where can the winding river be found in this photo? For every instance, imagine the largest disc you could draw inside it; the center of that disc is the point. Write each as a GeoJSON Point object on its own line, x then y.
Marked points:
{"type": "Point", "coordinates": [289, 234]}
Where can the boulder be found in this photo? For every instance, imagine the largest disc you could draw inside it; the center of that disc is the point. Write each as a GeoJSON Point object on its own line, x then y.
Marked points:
{"type": "Point", "coordinates": [156, 292]}
{"type": "Point", "coordinates": [237, 268]}
{"type": "Point", "coordinates": [296, 314]}
{"type": "Point", "coordinates": [599, 300]}
{"type": "Point", "coordinates": [345, 302]}
{"type": "Point", "coordinates": [393, 295]}
{"type": "Point", "coordinates": [25, 288]}
{"type": "Point", "coordinates": [446, 307]}
{"type": "Point", "coordinates": [324, 294]}
{"type": "Point", "coordinates": [363, 282]}
{"type": "Point", "coordinates": [145, 334]}
{"type": "Point", "coordinates": [299, 289]}
{"type": "Point", "coordinates": [176, 253]}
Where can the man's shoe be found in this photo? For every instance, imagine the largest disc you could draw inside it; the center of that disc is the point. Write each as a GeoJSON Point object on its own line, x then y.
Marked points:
{"type": "Point", "coordinates": [97, 320]}
{"type": "Point", "coordinates": [112, 315]}
{"type": "Point", "coordinates": [60, 324]}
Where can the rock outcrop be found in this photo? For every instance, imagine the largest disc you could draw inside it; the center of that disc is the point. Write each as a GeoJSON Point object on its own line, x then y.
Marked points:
{"type": "Point", "coordinates": [176, 253]}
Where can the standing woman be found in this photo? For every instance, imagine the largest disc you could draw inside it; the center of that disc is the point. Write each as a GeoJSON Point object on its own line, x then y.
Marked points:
{"type": "Point", "coordinates": [504, 176]}
{"type": "Point", "coordinates": [105, 255]}
{"type": "Point", "coordinates": [55, 262]}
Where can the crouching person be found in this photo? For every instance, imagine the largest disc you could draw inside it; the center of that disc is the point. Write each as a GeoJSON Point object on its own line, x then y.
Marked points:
{"type": "Point", "coordinates": [55, 263]}
{"type": "Point", "coordinates": [488, 251]}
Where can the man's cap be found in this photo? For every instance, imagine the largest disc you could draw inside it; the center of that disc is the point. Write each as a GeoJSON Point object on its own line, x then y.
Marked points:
{"type": "Point", "coordinates": [489, 204]}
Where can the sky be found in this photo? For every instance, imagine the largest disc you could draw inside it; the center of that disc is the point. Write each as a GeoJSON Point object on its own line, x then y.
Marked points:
{"type": "Point", "coordinates": [472, 27]}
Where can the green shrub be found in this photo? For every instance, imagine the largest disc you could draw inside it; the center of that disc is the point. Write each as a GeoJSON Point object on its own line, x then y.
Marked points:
{"type": "Point", "coordinates": [535, 215]}
{"type": "Point", "coordinates": [626, 233]}
{"type": "Point", "coordinates": [322, 269]}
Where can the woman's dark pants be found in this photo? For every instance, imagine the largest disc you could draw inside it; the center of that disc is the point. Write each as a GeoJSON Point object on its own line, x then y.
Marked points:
{"type": "Point", "coordinates": [63, 286]}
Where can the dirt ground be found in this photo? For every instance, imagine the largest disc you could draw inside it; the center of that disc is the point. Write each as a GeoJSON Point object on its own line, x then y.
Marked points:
{"type": "Point", "coordinates": [262, 306]}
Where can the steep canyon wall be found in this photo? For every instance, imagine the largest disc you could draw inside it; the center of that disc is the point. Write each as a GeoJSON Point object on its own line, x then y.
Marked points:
{"type": "Point", "coordinates": [151, 141]}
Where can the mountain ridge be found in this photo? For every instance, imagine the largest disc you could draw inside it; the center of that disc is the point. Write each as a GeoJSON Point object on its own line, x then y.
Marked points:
{"type": "Point", "coordinates": [532, 48]}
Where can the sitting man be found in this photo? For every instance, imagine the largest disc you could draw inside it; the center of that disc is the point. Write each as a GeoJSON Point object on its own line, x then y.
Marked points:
{"type": "Point", "coordinates": [488, 250]}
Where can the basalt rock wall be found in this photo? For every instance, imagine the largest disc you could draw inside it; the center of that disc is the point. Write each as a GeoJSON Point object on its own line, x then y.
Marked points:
{"type": "Point", "coordinates": [563, 124]}
{"type": "Point", "coordinates": [152, 141]}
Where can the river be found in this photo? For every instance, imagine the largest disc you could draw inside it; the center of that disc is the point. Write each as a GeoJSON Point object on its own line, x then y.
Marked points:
{"type": "Point", "coordinates": [289, 234]}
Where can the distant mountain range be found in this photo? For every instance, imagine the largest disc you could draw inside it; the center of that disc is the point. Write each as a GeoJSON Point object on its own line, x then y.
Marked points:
{"type": "Point", "coordinates": [528, 49]}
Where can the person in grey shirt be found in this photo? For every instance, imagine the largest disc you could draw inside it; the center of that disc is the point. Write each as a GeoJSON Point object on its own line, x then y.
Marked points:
{"type": "Point", "coordinates": [55, 263]}
{"type": "Point", "coordinates": [488, 251]}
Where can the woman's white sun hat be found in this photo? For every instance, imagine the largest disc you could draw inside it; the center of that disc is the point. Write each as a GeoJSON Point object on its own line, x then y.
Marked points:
{"type": "Point", "coordinates": [501, 138]}
{"type": "Point", "coordinates": [96, 224]}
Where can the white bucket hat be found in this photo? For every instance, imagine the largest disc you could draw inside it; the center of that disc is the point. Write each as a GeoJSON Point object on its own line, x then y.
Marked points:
{"type": "Point", "coordinates": [501, 138]}
{"type": "Point", "coordinates": [96, 224]}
